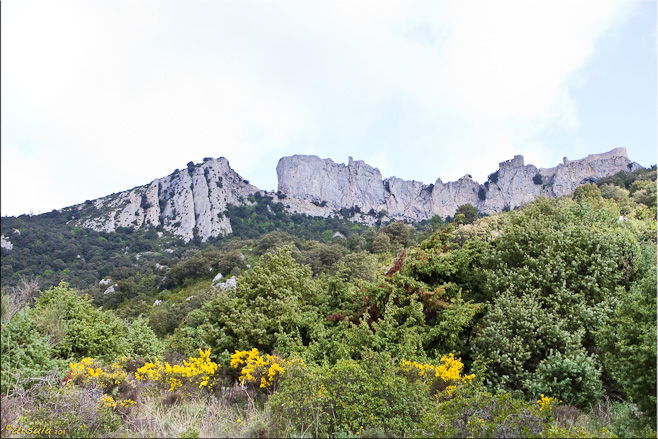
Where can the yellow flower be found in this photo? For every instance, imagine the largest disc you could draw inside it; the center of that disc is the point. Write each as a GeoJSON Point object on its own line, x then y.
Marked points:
{"type": "Point", "coordinates": [546, 401]}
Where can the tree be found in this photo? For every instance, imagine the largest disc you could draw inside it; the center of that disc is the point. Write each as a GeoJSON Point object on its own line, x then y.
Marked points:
{"type": "Point", "coordinates": [587, 192]}
{"type": "Point", "coordinates": [381, 244]}
{"type": "Point", "coordinates": [398, 233]}
{"type": "Point", "coordinates": [469, 212]}
{"type": "Point", "coordinates": [275, 300]}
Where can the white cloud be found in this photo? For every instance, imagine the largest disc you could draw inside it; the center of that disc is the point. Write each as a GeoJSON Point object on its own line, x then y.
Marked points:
{"type": "Point", "coordinates": [119, 93]}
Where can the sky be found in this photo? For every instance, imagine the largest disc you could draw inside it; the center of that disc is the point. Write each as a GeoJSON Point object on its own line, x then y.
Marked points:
{"type": "Point", "coordinates": [102, 96]}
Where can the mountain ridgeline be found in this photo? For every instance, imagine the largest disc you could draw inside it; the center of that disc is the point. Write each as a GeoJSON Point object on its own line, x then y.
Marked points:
{"type": "Point", "coordinates": [193, 202]}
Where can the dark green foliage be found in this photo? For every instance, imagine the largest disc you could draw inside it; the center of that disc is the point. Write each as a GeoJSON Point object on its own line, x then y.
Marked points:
{"type": "Point", "coordinates": [628, 339]}
{"type": "Point", "coordinates": [266, 216]}
{"type": "Point", "coordinates": [482, 193]}
{"type": "Point", "coordinates": [493, 177]}
{"type": "Point", "coordinates": [398, 233]}
{"type": "Point", "coordinates": [26, 353]}
{"type": "Point", "coordinates": [204, 264]}
{"type": "Point", "coordinates": [626, 179]}
{"type": "Point", "coordinates": [573, 378]}
{"type": "Point", "coordinates": [468, 212]}
{"type": "Point", "coordinates": [79, 256]}
{"type": "Point", "coordinates": [77, 329]}
{"type": "Point", "coordinates": [382, 243]}
{"type": "Point", "coordinates": [538, 179]}
{"type": "Point", "coordinates": [272, 302]}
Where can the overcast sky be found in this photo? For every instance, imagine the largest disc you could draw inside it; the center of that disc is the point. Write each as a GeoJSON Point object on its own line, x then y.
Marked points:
{"type": "Point", "coordinates": [102, 96]}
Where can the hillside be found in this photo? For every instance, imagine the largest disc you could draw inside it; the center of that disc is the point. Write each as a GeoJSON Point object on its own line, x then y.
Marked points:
{"type": "Point", "coordinates": [537, 321]}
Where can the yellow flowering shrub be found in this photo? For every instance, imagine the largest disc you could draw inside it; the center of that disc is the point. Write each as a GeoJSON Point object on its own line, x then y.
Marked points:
{"type": "Point", "coordinates": [445, 376]}
{"type": "Point", "coordinates": [90, 370]}
{"type": "Point", "coordinates": [263, 371]}
{"type": "Point", "coordinates": [546, 402]}
{"type": "Point", "coordinates": [108, 378]}
{"type": "Point", "coordinates": [197, 371]}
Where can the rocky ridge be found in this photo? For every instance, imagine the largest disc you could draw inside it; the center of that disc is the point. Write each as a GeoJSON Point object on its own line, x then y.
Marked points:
{"type": "Point", "coordinates": [321, 187]}
{"type": "Point", "coordinates": [192, 202]}
{"type": "Point", "coordinates": [186, 203]}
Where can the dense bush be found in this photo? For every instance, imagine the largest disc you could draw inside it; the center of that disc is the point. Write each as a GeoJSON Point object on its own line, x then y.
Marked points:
{"type": "Point", "coordinates": [26, 353]}
{"type": "Point", "coordinates": [350, 397]}
{"type": "Point", "coordinates": [574, 378]}
{"type": "Point", "coordinates": [628, 339]}
{"type": "Point", "coordinates": [272, 303]}
{"type": "Point", "coordinates": [482, 414]}
{"type": "Point", "coordinates": [142, 341]}
{"type": "Point", "coordinates": [552, 276]}
{"type": "Point", "coordinates": [76, 328]}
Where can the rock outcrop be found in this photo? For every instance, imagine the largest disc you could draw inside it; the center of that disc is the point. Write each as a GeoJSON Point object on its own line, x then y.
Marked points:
{"type": "Point", "coordinates": [186, 203]}
{"type": "Point", "coordinates": [5, 243]}
{"type": "Point", "coordinates": [321, 187]}
{"type": "Point", "coordinates": [193, 202]}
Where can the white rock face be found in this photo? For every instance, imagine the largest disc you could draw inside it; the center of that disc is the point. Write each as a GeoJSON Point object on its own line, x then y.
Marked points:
{"type": "Point", "coordinates": [314, 179]}
{"type": "Point", "coordinates": [5, 243]}
{"type": "Point", "coordinates": [320, 187]}
{"type": "Point", "coordinates": [572, 173]}
{"type": "Point", "coordinates": [231, 282]}
{"type": "Point", "coordinates": [187, 201]}
{"type": "Point", "coordinates": [193, 201]}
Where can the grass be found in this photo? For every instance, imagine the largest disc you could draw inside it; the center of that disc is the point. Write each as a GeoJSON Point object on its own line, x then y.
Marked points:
{"type": "Point", "coordinates": [162, 415]}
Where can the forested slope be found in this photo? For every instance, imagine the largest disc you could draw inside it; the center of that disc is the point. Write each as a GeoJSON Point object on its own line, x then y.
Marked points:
{"type": "Point", "coordinates": [536, 322]}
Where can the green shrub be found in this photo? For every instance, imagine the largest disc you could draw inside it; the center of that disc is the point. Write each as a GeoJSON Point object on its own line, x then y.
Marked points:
{"type": "Point", "coordinates": [516, 336]}
{"type": "Point", "coordinates": [142, 341]}
{"type": "Point", "coordinates": [587, 192]}
{"type": "Point", "coordinates": [628, 340]}
{"type": "Point", "coordinates": [77, 329]}
{"type": "Point", "coordinates": [78, 412]}
{"type": "Point", "coordinates": [573, 378]}
{"type": "Point", "coordinates": [26, 354]}
{"type": "Point", "coordinates": [472, 413]}
{"type": "Point", "coordinates": [469, 212]}
{"type": "Point", "coordinates": [349, 397]}
{"type": "Point", "coordinates": [276, 298]}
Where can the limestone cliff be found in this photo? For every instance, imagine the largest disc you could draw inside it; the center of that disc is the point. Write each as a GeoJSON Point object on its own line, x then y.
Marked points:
{"type": "Point", "coordinates": [192, 202]}
{"type": "Point", "coordinates": [188, 201]}
{"type": "Point", "coordinates": [321, 187]}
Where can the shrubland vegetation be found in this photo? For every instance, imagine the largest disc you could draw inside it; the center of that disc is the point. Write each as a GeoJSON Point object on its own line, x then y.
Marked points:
{"type": "Point", "coordinates": [538, 322]}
